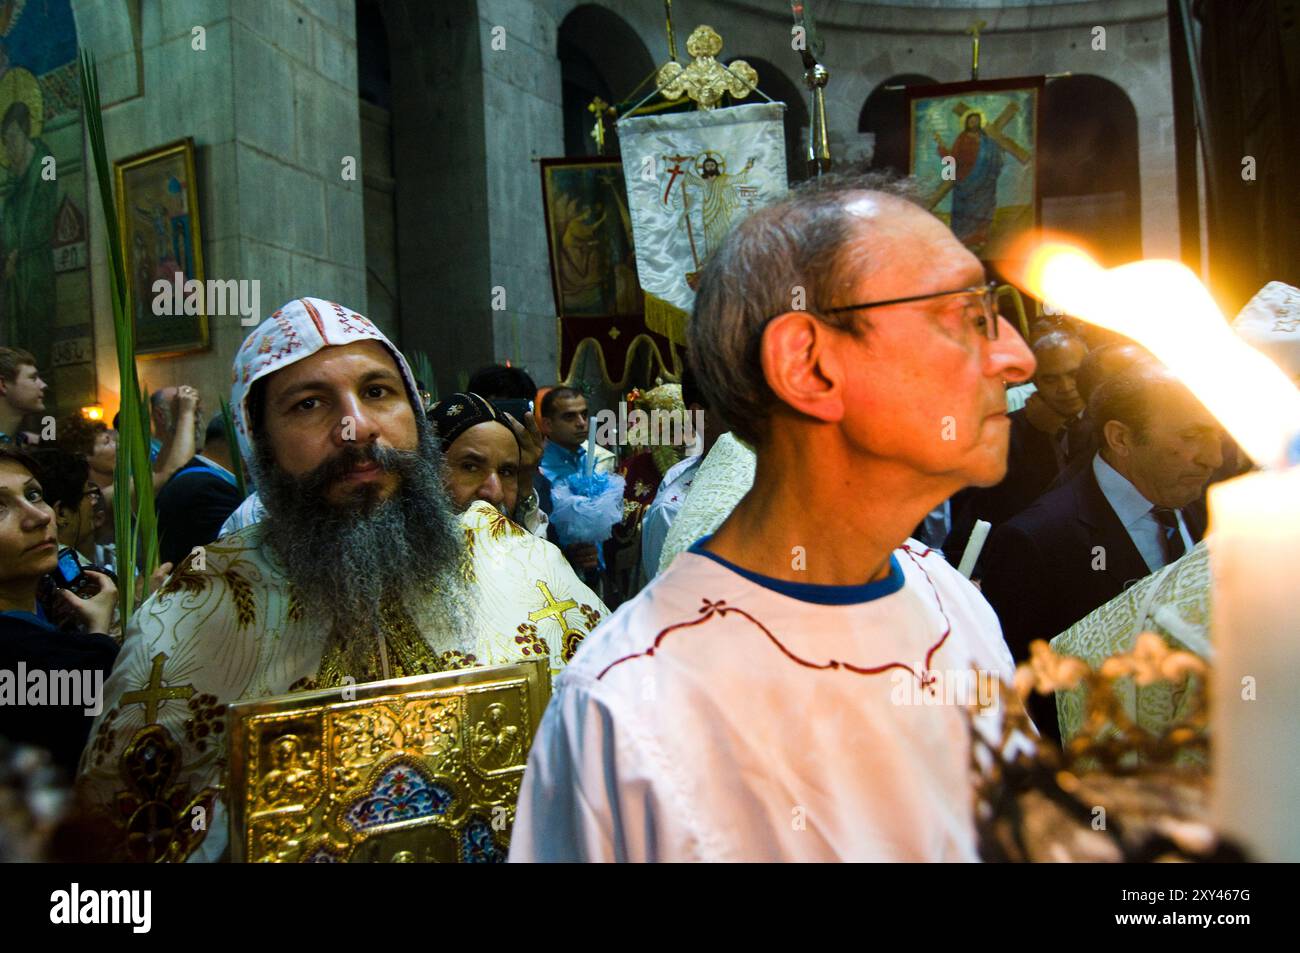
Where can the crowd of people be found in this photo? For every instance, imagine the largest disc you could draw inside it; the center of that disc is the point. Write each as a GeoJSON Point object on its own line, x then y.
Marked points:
{"type": "Point", "coordinates": [741, 702]}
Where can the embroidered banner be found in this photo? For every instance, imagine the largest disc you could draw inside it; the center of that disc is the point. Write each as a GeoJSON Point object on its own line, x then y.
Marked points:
{"type": "Point", "coordinates": [691, 177]}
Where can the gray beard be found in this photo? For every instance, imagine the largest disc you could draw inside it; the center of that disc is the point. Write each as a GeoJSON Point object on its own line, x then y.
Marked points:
{"type": "Point", "coordinates": [349, 561]}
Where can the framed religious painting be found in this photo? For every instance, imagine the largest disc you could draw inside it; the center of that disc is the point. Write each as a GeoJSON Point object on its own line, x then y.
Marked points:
{"type": "Point", "coordinates": [974, 151]}
{"type": "Point", "coordinates": [158, 213]}
{"type": "Point", "coordinates": [589, 232]}
{"type": "Point", "coordinates": [598, 299]}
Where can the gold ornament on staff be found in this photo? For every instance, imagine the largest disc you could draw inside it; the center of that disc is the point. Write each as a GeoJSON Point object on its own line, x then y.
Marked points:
{"type": "Point", "coordinates": [672, 37]}
{"type": "Point", "coordinates": [819, 147]}
{"type": "Point", "coordinates": [815, 77]}
{"type": "Point", "coordinates": [704, 79]}
{"type": "Point", "coordinates": [974, 31]}
{"type": "Point", "coordinates": [1038, 802]}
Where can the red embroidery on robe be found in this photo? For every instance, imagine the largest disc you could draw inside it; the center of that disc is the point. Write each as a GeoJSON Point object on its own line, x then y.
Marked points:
{"type": "Point", "coordinates": [709, 608]}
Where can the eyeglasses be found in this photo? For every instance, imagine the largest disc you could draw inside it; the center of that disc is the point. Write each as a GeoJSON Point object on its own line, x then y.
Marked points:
{"type": "Point", "coordinates": [988, 297]}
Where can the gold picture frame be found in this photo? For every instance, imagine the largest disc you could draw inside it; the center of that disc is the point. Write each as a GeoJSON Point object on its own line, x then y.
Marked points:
{"type": "Point", "coordinates": [419, 769]}
{"type": "Point", "coordinates": [158, 215]}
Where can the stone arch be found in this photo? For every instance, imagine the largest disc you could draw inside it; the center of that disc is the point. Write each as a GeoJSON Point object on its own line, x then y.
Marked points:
{"type": "Point", "coordinates": [773, 81]}
{"type": "Point", "coordinates": [1088, 172]}
{"type": "Point", "coordinates": [600, 55]}
{"type": "Point", "coordinates": [884, 114]}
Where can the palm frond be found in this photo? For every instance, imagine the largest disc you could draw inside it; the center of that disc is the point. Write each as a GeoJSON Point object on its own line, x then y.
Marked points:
{"type": "Point", "coordinates": [135, 521]}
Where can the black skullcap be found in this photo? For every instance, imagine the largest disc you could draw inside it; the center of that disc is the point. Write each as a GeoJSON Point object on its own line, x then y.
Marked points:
{"type": "Point", "coordinates": [454, 415]}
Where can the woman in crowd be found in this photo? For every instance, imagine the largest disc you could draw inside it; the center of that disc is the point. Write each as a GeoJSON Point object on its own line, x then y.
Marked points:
{"type": "Point", "coordinates": [51, 676]}
{"type": "Point", "coordinates": [74, 497]}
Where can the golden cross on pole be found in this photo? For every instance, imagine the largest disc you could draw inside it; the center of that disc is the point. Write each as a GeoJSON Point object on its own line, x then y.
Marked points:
{"type": "Point", "coordinates": [600, 109]}
{"type": "Point", "coordinates": [552, 609]}
{"type": "Point", "coordinates": [974, 31]}
{"type": "Point", "coordinates": [153, 692]}
{"type": "Point", "coordinates": [704, 79]}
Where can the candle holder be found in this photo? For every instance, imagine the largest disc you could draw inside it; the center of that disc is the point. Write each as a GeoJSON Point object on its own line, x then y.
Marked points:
{"type": "Point", "coordinates": [1115, 792]}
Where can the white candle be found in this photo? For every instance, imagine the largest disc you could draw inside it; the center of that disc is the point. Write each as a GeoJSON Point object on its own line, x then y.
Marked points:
{"type": "Point", "coordinates": [973, 547]}
{"type": "Point", "coordinates": [591, 448]}
{"type": "Point", "coordinates": [1254, 544]}
{"type": "Point", "coordinates": [1254, 533]}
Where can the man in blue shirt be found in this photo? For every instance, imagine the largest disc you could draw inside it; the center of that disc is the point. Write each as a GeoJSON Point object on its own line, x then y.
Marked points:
{"type": "Point", "coordinates": [565, 422]}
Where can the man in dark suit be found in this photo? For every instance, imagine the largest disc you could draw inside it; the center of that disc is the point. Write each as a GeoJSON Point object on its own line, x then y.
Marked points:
{"type": "Point", "coordinates": [1043, 440]}
{"type": "Point", "coordinates": [1136, 508]}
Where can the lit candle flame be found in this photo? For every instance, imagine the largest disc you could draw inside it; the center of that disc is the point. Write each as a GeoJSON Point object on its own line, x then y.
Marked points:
{"type": "Point", "coordinates": [1163, 306]}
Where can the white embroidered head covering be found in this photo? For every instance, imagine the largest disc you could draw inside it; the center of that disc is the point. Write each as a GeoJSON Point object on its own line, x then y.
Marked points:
{"type": "Point", "coordinates": [1270, 323]}
{"type": "Point", "coordinates": [296, 331]}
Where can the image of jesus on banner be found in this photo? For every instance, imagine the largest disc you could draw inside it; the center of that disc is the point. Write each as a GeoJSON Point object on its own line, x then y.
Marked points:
{"type": "Point", "coordinates": [707, 193]}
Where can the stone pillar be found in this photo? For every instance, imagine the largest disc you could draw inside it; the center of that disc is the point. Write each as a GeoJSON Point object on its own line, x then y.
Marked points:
{"type": "Point", "coordinates": [522, 123]}
{"type": "Point", "coordinates": [440, 165]}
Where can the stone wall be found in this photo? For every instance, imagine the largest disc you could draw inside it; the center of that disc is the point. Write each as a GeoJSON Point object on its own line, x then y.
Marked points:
{"type": "Point", "coordinates": [267, 91]}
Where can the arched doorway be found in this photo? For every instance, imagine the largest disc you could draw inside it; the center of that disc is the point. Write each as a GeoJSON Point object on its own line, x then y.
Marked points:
{"type": "Point", "coordinates": [775, 83]}
{"type": "Point", "coordinates": [1088, 177]}
{"type": "Point", "coordinates": [884, 114]}
{"type": "Point", "coordinates": [600, 55]}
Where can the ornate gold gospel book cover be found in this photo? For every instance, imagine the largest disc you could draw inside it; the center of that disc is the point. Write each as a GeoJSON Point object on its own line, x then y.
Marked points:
{"type": "Point", "coordinates": [418, 769]}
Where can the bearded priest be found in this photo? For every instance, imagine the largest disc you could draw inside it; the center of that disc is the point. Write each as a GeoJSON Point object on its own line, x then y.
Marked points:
{"type": "Point", "coordinates": [362, 570]}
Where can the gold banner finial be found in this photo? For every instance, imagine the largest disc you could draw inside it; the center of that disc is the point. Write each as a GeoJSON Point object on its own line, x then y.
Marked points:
{"type": "Point", "coordinates": [705, 79]}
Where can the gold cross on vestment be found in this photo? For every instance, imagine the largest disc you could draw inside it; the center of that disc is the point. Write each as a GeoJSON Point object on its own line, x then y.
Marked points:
{"type": "Point", "coordinates": [153, 692]}
{"type": "Point", "coordinates": [553, 609]}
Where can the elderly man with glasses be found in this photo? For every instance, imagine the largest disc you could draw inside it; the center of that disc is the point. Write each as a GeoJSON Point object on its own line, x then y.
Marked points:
{"type": "Point", "coordinates": [794, 687]}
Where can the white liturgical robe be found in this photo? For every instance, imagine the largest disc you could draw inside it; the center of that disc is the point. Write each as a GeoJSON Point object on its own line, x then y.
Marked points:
{"type": "Point", "coordinates": [726, 716]}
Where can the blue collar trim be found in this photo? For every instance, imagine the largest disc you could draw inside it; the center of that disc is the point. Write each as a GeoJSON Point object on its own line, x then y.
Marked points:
{"type": "Point", "coordinates": [813, 592]}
